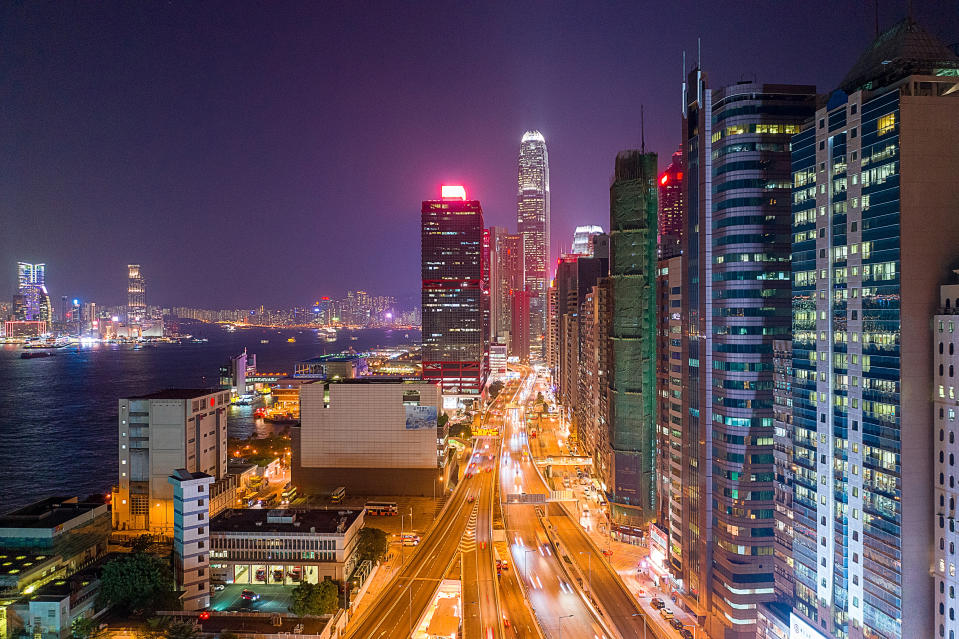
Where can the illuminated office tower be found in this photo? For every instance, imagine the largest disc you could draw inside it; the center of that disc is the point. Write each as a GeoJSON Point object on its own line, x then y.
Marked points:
{"type": "Point", "coordinates": [874, 235]}
{"type": "Point", "coordinates": [136, 295]}
{"type": "Point", "coordinates": [672, 207]}
{"type": "Point", "coordinates": [583, 239]}
{"type": "Point", "coordinates": [31, 286]}
{"type": "Point", "coordinates": [532, 213]}
{"type": "Point", "coordinates": [735, 303]}
{"type": "Point", "coordinates": [452, 274]}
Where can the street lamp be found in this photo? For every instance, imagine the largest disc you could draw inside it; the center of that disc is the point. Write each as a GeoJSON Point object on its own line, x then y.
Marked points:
{"type": "Point", "coordinates": [561, 624]}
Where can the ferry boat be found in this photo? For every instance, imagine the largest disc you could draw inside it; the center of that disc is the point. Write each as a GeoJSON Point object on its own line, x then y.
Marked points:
{"type": "Point", "coordinates": [36, 355]}
{"type": "Point", "coordinates": [264, 341]}
{"type": "Point", "coordinates": [291, 340]}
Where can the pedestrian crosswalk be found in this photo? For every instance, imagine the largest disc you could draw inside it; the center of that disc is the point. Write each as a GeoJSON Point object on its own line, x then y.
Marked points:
{"type": "Point", "coordinates": [468, 542]}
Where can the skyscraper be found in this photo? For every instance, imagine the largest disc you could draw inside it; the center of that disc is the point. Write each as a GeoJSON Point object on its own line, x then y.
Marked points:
{"type": "Point", "coordinates": [874, 235]}
{"type": "Point", "coordinates": [136, 295]}
{"type": "Point", "coordinates": [583, 239]}
{"type": "Point", "coordinates": [672, 207]}
{"type": "Point", "coordinates": [632, 370]}
{"type": "Point", "coordinates": [736, 301]}
{"type": "Point", "coordinates": [452, 274]}
{"type": "Point", "coordinates": [532, 213]}
{"type": "Point", "coordinates": [31, 286]}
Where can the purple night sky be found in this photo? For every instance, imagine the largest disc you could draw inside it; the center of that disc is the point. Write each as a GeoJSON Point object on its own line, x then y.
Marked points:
{"type": "Point", "coordinates": [249, 153]}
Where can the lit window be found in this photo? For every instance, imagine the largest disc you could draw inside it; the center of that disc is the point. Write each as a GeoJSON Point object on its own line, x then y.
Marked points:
{"type": "Point", "coordinates": [886, 123]}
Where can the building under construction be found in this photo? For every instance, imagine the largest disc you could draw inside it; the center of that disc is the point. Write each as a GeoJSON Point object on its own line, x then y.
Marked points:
{"type": "Point", "coordinates": [632, 379]}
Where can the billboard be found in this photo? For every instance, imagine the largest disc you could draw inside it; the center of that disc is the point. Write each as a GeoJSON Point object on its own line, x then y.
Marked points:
{"type": "Point", "coordinates": [420, 417]}
{"type": "Point", "coordinates": [800, 629]}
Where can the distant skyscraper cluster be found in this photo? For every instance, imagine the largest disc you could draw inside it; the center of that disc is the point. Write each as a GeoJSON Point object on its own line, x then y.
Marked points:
{"type": "Point", "coordinates": [768, 390]}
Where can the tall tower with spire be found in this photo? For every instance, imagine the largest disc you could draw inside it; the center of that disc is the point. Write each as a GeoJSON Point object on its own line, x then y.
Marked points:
{"type": "Point", "coordinates": [532, 213]}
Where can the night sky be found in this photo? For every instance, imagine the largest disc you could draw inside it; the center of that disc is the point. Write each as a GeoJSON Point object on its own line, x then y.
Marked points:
{"type": "Point", "coordinates": [249, 153]}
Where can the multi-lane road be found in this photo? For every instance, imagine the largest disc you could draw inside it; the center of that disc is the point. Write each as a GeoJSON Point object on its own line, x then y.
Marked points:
{"type": "Point", "coordinates": [556, 584]}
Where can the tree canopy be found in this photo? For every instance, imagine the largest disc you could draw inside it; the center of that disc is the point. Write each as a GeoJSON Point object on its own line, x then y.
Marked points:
{"type": "Point", "coordinates": [372, 544]}
{"type": "Point", "coordinates": [138, 584]}
{"type": "Point", "coordinates": [314, 599]}
{"type": "Point", "coordinates": [86, 628]}
{"type": "Point", "coordinates": [496, 388]}
{"type": "Point", "coordinates": [461, 430]}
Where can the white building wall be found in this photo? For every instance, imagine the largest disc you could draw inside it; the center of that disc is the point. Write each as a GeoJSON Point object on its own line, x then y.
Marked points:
{"type": "Point", "coordinates": [364, 426]}
{"type": "Point", "coordinates": [191, 539]}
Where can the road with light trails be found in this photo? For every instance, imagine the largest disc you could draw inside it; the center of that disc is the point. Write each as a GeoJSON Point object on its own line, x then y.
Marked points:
{"type": "Point", "coordinates": [557, 603]}
{"type": "Point", "coordinates": [625, 614]}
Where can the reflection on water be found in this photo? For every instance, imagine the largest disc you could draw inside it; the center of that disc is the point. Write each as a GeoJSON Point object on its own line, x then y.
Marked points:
{"type": "Point", "coordinates": [58, 415]}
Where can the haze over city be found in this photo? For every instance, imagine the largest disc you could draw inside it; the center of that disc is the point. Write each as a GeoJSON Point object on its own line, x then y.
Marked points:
{"type": "Point", "coordinates": [272, 153]}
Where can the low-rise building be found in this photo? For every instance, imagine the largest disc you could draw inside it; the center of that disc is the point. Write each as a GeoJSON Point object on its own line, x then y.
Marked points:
{"type": "Point", "coordinates": [76, 532]}
{"type": "Point", "coordinates": [255, 546]}
{"type": "Point", "coordinates": [340, 365]}
{"type": "Point", "coordinates": [49, 611]}
{"type": "Point", "coordinates": [191, 533]}
{"type": "Point", "coordinates": [375, 436]}
{"type": "Point", "coordinates": [159, 433]}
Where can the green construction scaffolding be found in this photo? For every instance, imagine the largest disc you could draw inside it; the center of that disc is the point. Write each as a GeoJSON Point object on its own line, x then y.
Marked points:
{"type": "Point", "coordinates": [632, 380]}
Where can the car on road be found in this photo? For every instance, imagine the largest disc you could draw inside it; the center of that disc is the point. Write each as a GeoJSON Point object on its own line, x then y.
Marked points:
{"type": "Point", "coordinates": [676, 623]}
{"type": "Point", "coordinates": [657, 603]}
{"type": "Point", "coordinates": [666, 613]}
{"type": "Point", "coordinates": [411, 540]}
{"type": "Point", "coordinates": [685, 633]}
{"type": "Point", "coordinates": [249, 595]}
{"type": "Point", "coordinates": [470, 499]}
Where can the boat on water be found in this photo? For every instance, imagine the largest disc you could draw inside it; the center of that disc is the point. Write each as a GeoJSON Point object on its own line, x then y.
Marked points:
{"type": "Point", "coordinates": [291, 340]}
{"type": "Point", "coordinates": [264, 341]}
{"type": "Point", "coordinates": [36, 354]}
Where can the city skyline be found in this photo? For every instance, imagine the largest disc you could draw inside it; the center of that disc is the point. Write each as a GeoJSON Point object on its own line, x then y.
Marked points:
{"type": "Point", "coordinates": [63, 175]}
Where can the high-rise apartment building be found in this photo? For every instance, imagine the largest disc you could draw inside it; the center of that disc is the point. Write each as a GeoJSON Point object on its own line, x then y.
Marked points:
{"type": "Point", "coordinates": [669, 355]}
{"type": "Point", "coordinates": [33, 303]}
{"type": "Point", "coordinates": [945, 349]}
{"type": "Point", "coordinates": [672, 207]}
{"type": "Point", "coordinates": [532, 214]}
{"type": "Point", "coordinates": [452, 274]}
{"type": "Point", "coordinates": [136, 295]}
{"type": "Point", "coordinates": [519, 317]}
{"type": "Point", "coordinates": [632, 370]}
{"type": "Point", "coordinates": [160, 433]}
{"type": "Point", "coordinates": [874, 234]}
{"type": "Point", "coordinates": [783, 461]}
{"type": "Point", "coordinates": [736, 301]}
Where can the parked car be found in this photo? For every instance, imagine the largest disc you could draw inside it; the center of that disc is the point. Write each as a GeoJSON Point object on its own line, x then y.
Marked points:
{"type": "Point", "coordinates": [686, 634]}
{"type": "Point", "coordinates": [666, 613]}
{"type": "Point", "coordinates": [657, 603]}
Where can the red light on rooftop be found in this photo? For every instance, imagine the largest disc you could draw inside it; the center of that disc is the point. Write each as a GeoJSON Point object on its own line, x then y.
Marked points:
{"type": "Point", "coordinates": [324, 298]}
{"type": "Point", "coordinates": [454, 192]}
{"type": "Point", "coordinates": [663, 180]}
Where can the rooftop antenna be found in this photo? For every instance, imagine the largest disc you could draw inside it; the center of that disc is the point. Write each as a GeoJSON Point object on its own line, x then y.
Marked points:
{"type": "Point", "coordinates": [642, 128]}
{"type": "Point", "coordinates": [699, 52]}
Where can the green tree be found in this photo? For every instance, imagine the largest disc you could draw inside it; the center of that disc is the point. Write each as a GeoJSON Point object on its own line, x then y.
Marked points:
{"type": "Point", "coordinates": [141, 544]}
{"type": "Point", "coordinates": [495, 388]}
{"type": "Point", "coordinates": [314, 599]}
{"type": "Point", "coordinates": [181, 630]}
{"type": "Point", "coordinates": [137, 584]}
{"type": "Point", "coordinates": [86, 628]}
{"type": "Point", "coordinates": [441, 420]}
{"type": "Point", "coordinates": [461, 430]}
{"type": "Point", "coordinates": [372, 544]}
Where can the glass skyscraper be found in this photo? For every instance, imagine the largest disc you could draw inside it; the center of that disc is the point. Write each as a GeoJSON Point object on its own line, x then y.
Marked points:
{"type": "Point", "coordinates": [532, 213]}
{"type": "Point", "coordinates": [453, 305]}
{"type": "Point", "coordinates": [32, 291]}
{"type": "Point", "coordinates": [874, 224]}
{"type": "Point", "coordinates": [736, 271]}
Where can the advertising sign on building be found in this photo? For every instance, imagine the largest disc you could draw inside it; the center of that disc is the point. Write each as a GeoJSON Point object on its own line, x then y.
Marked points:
{"type": "Point", "coordinates": [420, 417]}
{"type": "Point", "coordinates": [800, 629]}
